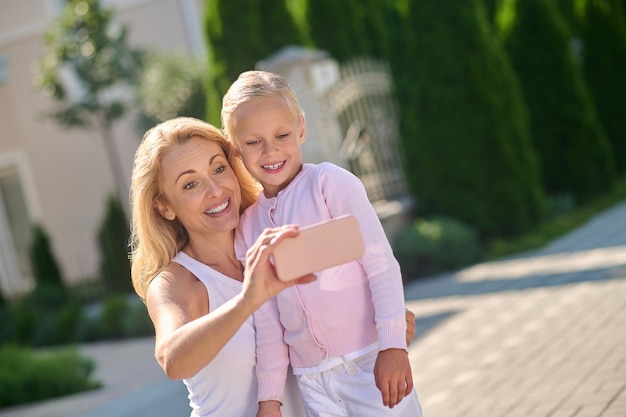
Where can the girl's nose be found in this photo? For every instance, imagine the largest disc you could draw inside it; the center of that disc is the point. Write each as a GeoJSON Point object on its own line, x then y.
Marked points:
{"type": "Point", "coordinates": [268, 148]}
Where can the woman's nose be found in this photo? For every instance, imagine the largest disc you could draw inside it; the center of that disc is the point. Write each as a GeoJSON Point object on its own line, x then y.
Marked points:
{"type": "Point", "coordinates": [212, 187]}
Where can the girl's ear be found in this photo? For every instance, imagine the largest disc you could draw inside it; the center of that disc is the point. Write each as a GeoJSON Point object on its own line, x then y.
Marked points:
{"type": "Point", "coordinates": [165, 210]}
{"type": "Point", "coordinates": [302, 129]}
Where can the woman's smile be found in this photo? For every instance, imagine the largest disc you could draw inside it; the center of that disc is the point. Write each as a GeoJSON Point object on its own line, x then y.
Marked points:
{"type": "Point", "coordinates": [218, 209]}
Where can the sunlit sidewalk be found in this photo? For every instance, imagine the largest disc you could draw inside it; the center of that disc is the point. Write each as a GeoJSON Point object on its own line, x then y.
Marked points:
{"type": "Point", "coordinates": [543, 334]}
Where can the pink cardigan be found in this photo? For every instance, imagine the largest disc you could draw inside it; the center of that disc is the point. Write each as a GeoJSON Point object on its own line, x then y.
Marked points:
{"type": "Point", "coordinates": [348, 307]}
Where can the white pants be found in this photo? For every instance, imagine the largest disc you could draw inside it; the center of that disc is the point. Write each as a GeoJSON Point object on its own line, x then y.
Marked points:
{"type": "Point", "coordinates": [349, 390]}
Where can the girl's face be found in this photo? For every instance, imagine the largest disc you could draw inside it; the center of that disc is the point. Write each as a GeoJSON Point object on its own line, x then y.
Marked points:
{"type": "Point", "coordinates": [269, 135]}
{"type": "Point", "coordinates": [200, 187]}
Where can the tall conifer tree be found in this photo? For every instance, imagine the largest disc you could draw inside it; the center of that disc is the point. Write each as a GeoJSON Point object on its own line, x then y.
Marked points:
{"type": "Point", "coordinates": [576, 157]}
{"type": "Point", "coordinates": [240, 33]}
{"type": "Point", "coordinates": [603, 28]}
{"type": "Point", "coordinates": [469, 148]}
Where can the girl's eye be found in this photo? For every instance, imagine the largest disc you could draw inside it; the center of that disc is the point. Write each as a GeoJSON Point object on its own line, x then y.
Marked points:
{"type": "Point", "coordinates": [252, 142]}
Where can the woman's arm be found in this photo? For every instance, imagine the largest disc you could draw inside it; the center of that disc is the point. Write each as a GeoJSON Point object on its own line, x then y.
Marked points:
{"type": "Point", "coordinates": [188, 337]}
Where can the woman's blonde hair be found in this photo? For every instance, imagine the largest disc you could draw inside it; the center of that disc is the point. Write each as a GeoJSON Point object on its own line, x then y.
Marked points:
{"type": "Point", "coordinates": [251, 85]}
{"type": "Point", "coordinates": [155, 240]}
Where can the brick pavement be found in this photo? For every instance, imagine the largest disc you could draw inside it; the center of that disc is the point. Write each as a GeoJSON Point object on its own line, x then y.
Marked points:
{"type": "Point", "coordinates": [541, 335]}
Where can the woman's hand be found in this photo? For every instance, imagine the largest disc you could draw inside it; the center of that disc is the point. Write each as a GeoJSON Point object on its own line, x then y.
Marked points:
{"type": "Point", "coordinates": [260, 280]}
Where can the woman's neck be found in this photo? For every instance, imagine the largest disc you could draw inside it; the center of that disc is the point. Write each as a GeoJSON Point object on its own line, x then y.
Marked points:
{"type": "Point", "coordinates": [216, 251]}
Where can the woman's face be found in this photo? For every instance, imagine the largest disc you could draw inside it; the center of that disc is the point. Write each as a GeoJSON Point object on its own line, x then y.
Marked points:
{"type": "Point", "coordinates": [201, 188]}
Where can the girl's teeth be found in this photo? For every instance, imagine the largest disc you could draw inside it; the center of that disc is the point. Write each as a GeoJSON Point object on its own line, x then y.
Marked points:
{"type": "Point", "coordinates": [218, 209]}
{"type": "Point", "coordinates": [273, 167]}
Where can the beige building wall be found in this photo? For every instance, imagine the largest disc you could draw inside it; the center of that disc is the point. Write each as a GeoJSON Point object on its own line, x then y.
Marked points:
{"type": "Point", "coordinates": [64, 177]}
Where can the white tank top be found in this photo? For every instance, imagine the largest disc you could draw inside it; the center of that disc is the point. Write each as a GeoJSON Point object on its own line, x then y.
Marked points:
{"type": "Point", "coordinates": [227, 386]}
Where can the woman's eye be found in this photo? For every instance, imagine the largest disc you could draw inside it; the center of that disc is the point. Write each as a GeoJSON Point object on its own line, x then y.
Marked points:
{"type": "Point", "coordinates": [189, 185]}
{"type": "Point", "coordinates": [220, 169]}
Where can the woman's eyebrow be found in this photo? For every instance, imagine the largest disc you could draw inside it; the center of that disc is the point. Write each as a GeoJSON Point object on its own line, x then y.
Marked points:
{"type": "Point", "coordinates": [191, 171]}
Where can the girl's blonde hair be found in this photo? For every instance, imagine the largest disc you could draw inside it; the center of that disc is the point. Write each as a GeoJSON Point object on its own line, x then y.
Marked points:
{"type": "Point", "coordinates": [251, 85]}
{"type": "Point", "coordinates": [154, 240]}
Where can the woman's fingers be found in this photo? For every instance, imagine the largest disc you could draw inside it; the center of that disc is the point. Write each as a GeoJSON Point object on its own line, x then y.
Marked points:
{"type": "Point", "coordinates": [268, 239]}
{"type": "Point", "coordinates": [258, 259]}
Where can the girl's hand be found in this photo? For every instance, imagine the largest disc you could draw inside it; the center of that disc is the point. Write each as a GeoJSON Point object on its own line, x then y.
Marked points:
{"type": "Point", "coordinates": [392, 373]}
{"type": "Point", "coordinates": [410, 326]}
{"type": "Point", "coordinates": [269, 409]}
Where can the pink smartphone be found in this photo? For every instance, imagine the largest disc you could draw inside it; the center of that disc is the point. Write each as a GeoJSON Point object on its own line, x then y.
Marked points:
{"type": "Point", "coordinates": [319, 246]}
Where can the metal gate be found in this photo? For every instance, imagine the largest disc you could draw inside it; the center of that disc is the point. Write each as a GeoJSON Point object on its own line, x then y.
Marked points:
{"type": "Point", "coordinates": [363, 102]}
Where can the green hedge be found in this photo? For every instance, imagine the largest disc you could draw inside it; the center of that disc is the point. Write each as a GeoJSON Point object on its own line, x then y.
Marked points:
{"type": "Point", "coordinates": [465, 126]}
{"type": "Point", "coordinates": [239, 33]}
{"type": "Point", "coordinates": [116, 317]}
{"type": "Point", "coordinates": [27, 376]}
{"type": "Point", "coordinates": [576, 156]}
{"type": "Point", "coordinates": [604, 65]}
{"type": "Point", "coordinates": [436, 245]}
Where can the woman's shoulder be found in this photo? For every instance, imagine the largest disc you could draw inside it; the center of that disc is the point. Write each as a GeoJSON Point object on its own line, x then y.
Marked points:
{"type": "Point", "coordinates": [176, 283]}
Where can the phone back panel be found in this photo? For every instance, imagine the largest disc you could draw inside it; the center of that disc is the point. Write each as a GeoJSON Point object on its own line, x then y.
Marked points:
{"type": "Point", "coordinates": [319, 246]}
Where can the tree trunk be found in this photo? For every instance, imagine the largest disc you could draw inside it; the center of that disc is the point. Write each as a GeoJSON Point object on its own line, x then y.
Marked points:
{"type": "Point", "coordinates": [121, 188]}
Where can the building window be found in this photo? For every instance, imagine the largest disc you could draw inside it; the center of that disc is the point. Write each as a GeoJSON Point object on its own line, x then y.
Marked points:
{"type": "Point", "coordinates": [15, 235]}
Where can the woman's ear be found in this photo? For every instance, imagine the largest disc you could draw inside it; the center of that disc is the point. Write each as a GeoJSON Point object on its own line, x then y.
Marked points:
{"type": "Point", "coordinates": [165, 210]}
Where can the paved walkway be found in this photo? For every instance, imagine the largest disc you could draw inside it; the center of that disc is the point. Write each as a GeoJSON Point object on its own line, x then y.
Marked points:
{"type": "Point", "coordinates": [541, 335]}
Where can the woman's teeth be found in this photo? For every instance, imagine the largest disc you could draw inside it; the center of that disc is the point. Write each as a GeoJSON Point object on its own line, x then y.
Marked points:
{"type": "Point", "coordinates": [218, 209]}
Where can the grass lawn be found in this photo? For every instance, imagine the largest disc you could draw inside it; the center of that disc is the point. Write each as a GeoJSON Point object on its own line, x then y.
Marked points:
{"type": "Point", "coordinates": [557, 225]}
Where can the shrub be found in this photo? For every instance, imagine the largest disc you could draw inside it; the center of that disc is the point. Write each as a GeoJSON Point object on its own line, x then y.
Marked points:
{"type": "Point", "coordinates": [89, 329]}
{"type": "Point", "coordinates": [27, 376]}
{"type": "Point", "coordinates": [38, 317]}
{"type": "Point", "coordinates": [436, 245]}
{"type": "Point", "coordinates": [7, 325]}
{"type": "Point", "coordinates": [113, 242]}
{"type": "Point", "coordinates": [44, 332]}
{"type": "Point", "coordinates": [114, 310]}
{"type": "Point", "coordinates": [137, 322]}
{"type": "Point", "coordinates": [68, 321]}
{"type": "Point", "coordinates": [46, 297]}
{"type": "Point", "coordinates": [45, 267]}
{"type": "Point", "coordinates": [25, 320]}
